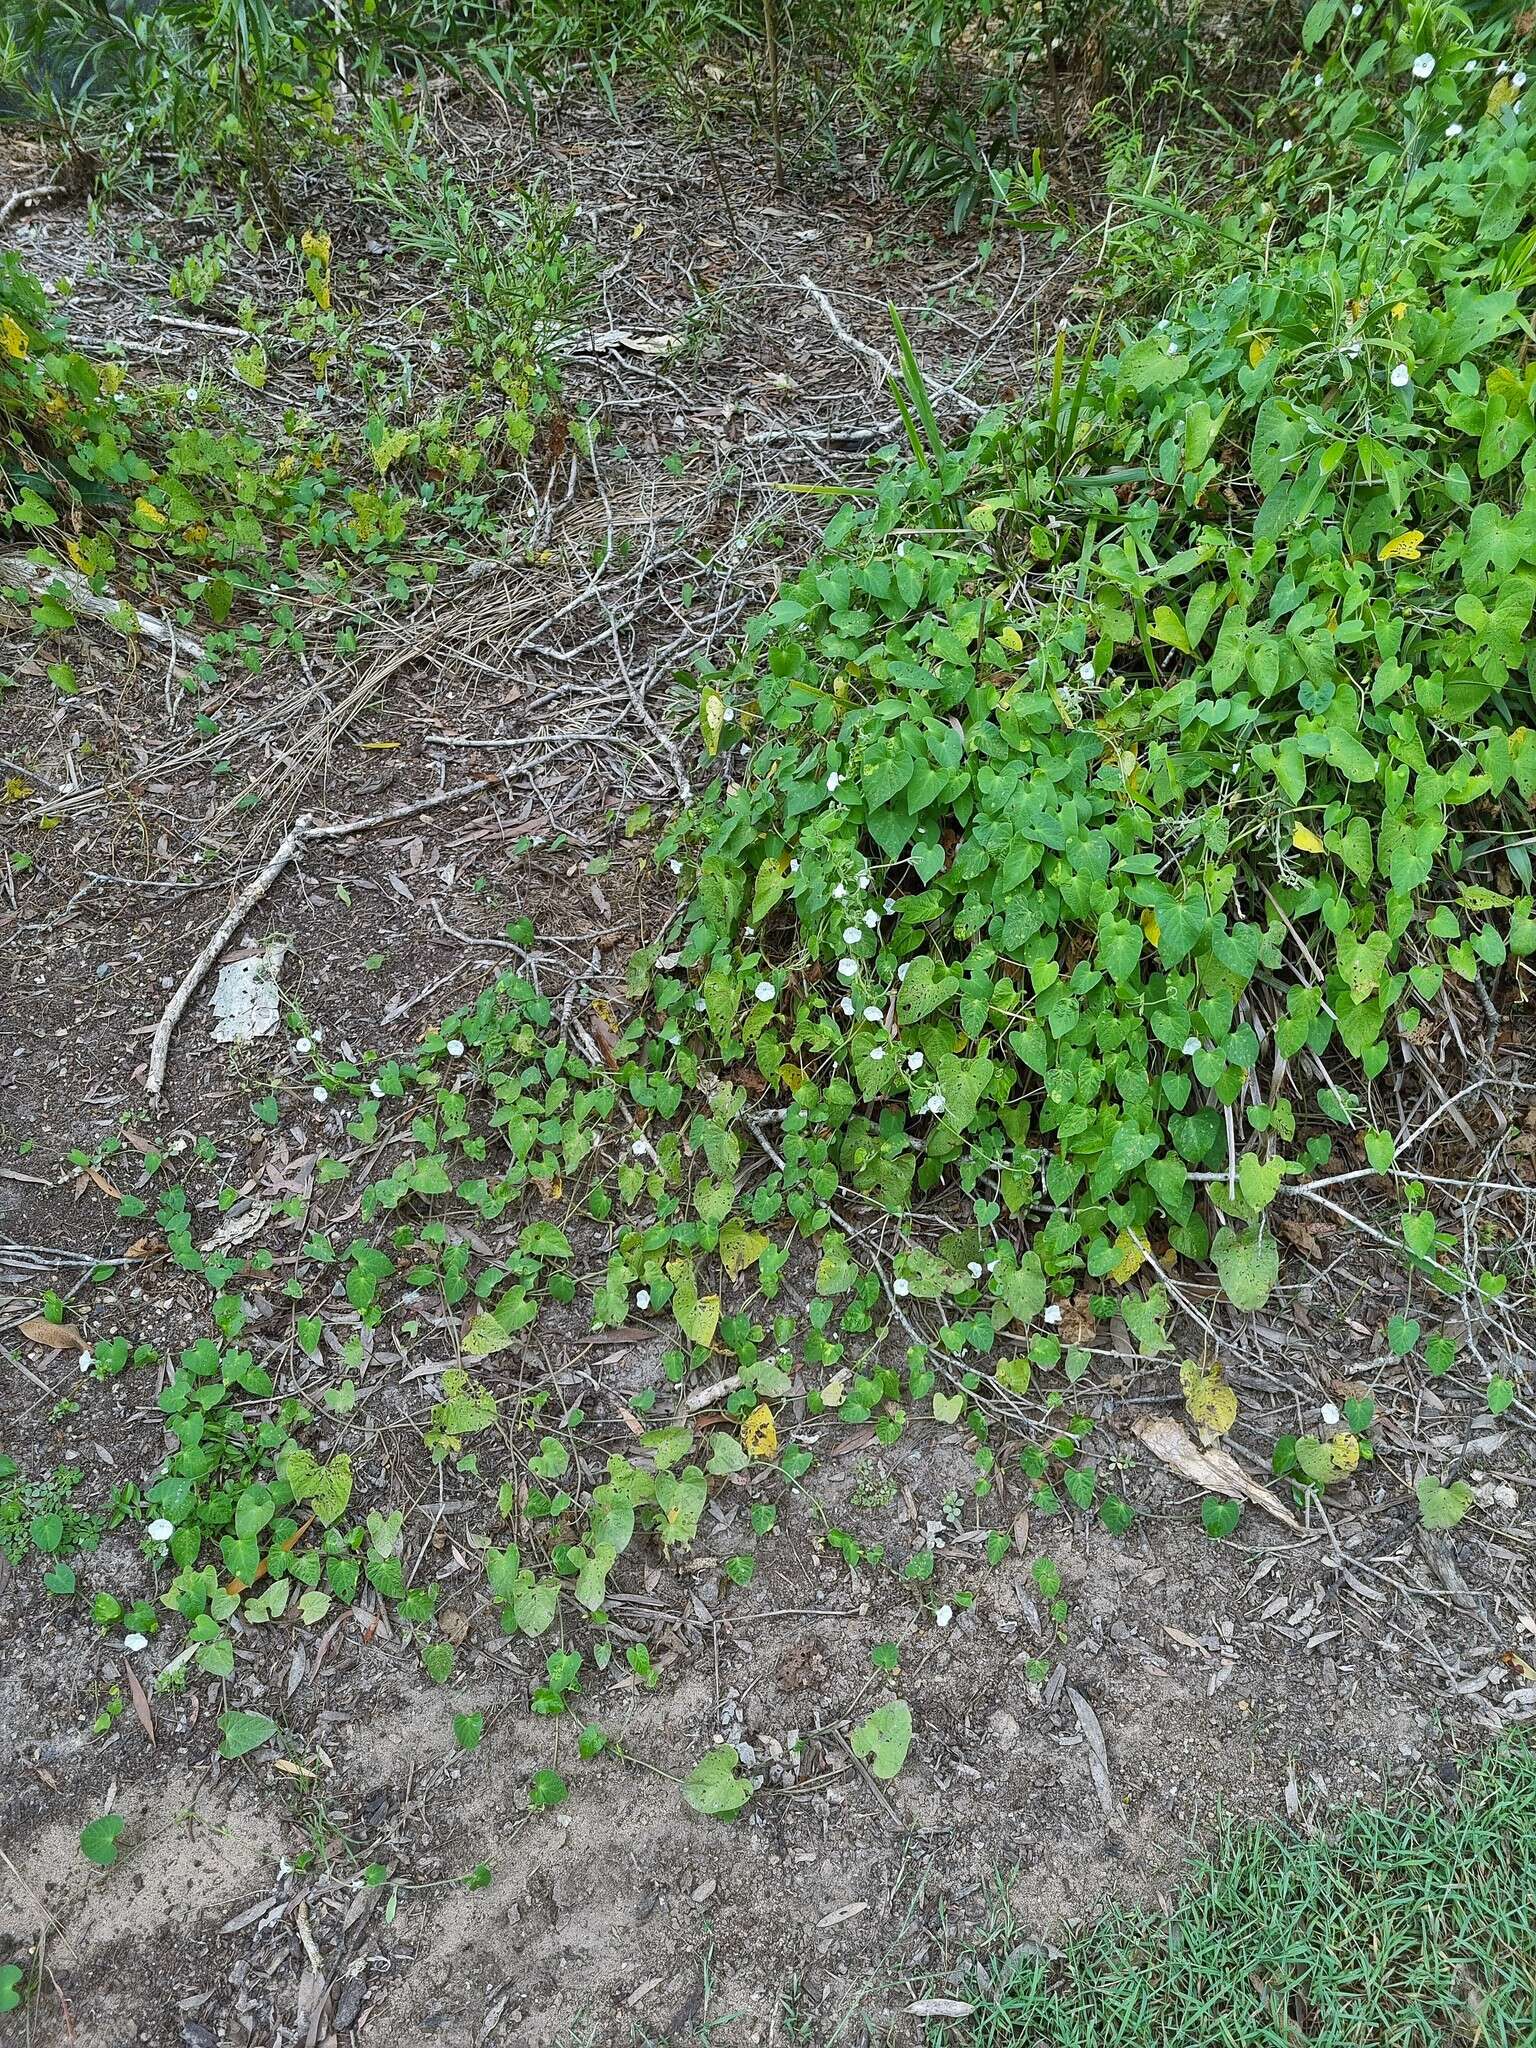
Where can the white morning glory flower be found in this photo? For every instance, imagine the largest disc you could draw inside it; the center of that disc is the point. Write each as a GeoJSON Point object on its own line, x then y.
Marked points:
{"type": "Point", "coordinates": [303, 1045]}
{"type": "Point", "coordinates": [838, 892]}
{"type": "Point", "coordinates": [794, 867]}
{"type": "Point", "coordinates": [851, 935]}
{"type": "Point", "coordinates": [848, 969]}
{"type": "Point", "coordinates": [902, 1287]}
{"type": "Point", "coordinates": [160, 1530]}
{"type": "Point", "coordinates": [455, 1048]}
{"type": "Point", "coordinates": [1191, 1045]}
{"type": "Point", "coordinates": [376, 1090]}
{"type": "Point", "coordinates": [1452, 131]}
{"type": "Point", "coordinates": [1424, 65]}
{"type": "Point", "coordinates": [135, 1642]}
{"type": "Point", "coordinates": [873, 1013]}
{"type": "Point", "coordinates": [877, 1052]}
{"type": "Point", "coordinates": [322, 1094]}
{"type": "Point", "coordinates": [1052, 1312]}
{"type": "Point", "coordinates": [1401, 375]}
{"type": "Point", "coordinates": [973, 1267]}
{"type": "Point", "coordinates": [676, 866]}
{"type": "Point", "coordinates": [846, 1006]}
{"type": "Point", "coordinates": [643, 1298]}
{"type": "Point", "coordinates": [1085, 671]}
{"type": "Point", "coordinates": [765, 991]}
{"type": "Point", "coordinates": [834, 783]}
{"type": "Point", "coordinates": [937, 1105]}
{"type": "Point", "coordinates": [914, 1062]}
{"type": "Point", "coordinates": [1518, 81]}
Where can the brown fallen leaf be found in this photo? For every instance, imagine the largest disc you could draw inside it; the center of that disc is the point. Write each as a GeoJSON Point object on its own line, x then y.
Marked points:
{"type": "Point", "coordinates": [1098, 1759]}
{"type": "Point", "coordinates": [1213, 1471]}
{"type": "Point", "coordinates": [140, 1700]}
{"type": "Point", "coordinates": [53, 1336]}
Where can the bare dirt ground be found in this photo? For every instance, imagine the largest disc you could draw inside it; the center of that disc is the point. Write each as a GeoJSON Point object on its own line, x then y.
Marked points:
{"type": "Point", "coordinates": [1267, 1676]}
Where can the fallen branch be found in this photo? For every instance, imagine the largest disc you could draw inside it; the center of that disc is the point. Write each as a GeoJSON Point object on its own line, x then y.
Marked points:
{"type": "Point", "coordinates": [113, 611]}
{"type": "Point", "coordinates": [28, 198]}
{"type": "Point", "coordinates": [298, 835]}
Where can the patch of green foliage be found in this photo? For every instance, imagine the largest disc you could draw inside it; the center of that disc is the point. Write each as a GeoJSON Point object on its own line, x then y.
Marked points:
{"type": "Point", "coordinates": [1108, 802]}
{"type": "Point", "coordinates": [1414, 1925]}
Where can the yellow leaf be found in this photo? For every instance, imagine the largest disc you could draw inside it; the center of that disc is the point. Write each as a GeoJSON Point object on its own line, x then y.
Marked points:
{"type": "Point", "coordinates": [13, 338]}
{"type": "Point", "coordinates": [711, 718]}
{"type": "Point", "coordinates": [1344, 1449]}
{"type": "Point", "coordinates": [637, 231]}
{"type": "Point", "coordinates": [1150, 926]}
{"type": "Point", "coordinates": [835, 1392]}
{"type": "Point", "coordinates": [740, 1247]}
{"type": "Point", "coordinates": [1501, 94]}
{"type": "Point", "coordinates": [16, 791]}
{"type": "Point", "coordinates": [1258, 349]}
{"type": "Point", "coordinates": [1010, 639]}
{"type": "Point", "coordinates": [1404, 547]}
{"type": "Point", "coordinates": [1210, 1402]}
{"type": "Point", "coordinates": [1305, 841]}
{"type": "Point", "coordinates": [316, 242]}
{"type": "Point", "coordinates": [759, 1438]}
{"type": "Point", "coordinates": [149, 514]}
{"type": "Point", "coordinates": [1357, 308]}
{"type": "Point", "coordinates": [1133, 1256]}
{"type": "Point", "coordinates": [1399, 309]}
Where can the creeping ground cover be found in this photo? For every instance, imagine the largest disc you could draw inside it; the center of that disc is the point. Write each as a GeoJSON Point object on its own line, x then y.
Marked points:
{"type": "Point", "coordinates": [1105, 808]}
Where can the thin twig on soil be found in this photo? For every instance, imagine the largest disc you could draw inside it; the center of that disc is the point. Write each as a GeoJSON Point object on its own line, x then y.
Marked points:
{"type": "Point", "coordinates": [298, 835]}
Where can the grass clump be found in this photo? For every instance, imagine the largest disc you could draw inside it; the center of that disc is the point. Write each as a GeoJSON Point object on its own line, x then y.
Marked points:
{"type": "Point", "coordinates": [1111, 800]}
{"type": "Point", "coordinates": [1409, 1926]}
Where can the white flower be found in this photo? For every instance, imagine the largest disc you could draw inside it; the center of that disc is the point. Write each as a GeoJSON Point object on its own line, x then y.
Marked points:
{"type": "Point", "coordinates": [851, 935]}
{"type": "Point", "coordinates": [973, 1267]}
{"type": "Point", "coordinates": [643, 1298]}
{"type": "Point", "coordinates": [871, 920]}
{"type": "Point", "coordinates": [698, 1002]}
{"type": "Point", "coordinates": [322, 1094]}
{"type": "Point", "coordinates": [1424, 65]}
{"type": "Point", "coordinates": [890, 905]}
{"type": "Point", "coordinates": [914, 1062]}
{"type": "Point", "coordinates": [765, 991]}
{"type": "Point", "coordinates": [794, 867]}
{"type": "Point", "coordinates": [838, 892]}
{"type": "Point", "coordinates": [1173, 348]}
{"type": "Point", "coordinates": [834, 782]}
{"type": "Point", "coordinates": [864, 881]}
{"type": "Point", "coordinates": [1401, 375]}
{"type": "Point", "coordinates": [873, 1013]}
{"type": "Point", "coordinates": [902, 1287]}
{"type": "Point", "coordinates": [1085, 671]}
{"type": "Point", "coordinates": [1357, 10]}
{"type": "Point", "coordinates": [1052, 1312]}
{"type": "Point", "coordinates": [1470, 67]}
{"type": "Point", "coordinates": [192, 393]}
{"type": "Point", "coordinates": [639, 1148]}
{"type": "Point", "coordinates": [160, 1530]}
{"type": "Point", "coordinates": [1518, 81]}
{"type": "Point", "coordinates": [1317, 81]}
{"type": "Point", "coordinates": [376, 1090]}
{"type": "Point", "coordinates": [303, 1045]}
{"type": "Point", "coordinates": [1287, 146]}
{"type": "Point", "coordinates": [944, 1616]}
{"type": "Point", "coordinates": [904, 970]}
{"type": "Point", "coordinates": [1452, 131]}
{"type": "Point", "coordinates": [848, 969]}
{"type": "Point", "coordinates": [936, 1105]}
{"type": "Point", "coordinates": [846, 1006]}
{"type": "Point", "coordinates": [1352, 349]}
{"type": "Point", "coordinates": [676, 866]}
{"type": "Point", "coordinates": [1503, 68]}
{"type": "Point", "coordinates": [455, 1048]}
{"type": "Point", "coordinates": [1330, 1414]}
{"type": "Point", "coordinates": [135, 1642]}
{"type": "Point", "coordinates": [1191, 1045]}
{"type": "Point", "coordinates": [877, 1052]}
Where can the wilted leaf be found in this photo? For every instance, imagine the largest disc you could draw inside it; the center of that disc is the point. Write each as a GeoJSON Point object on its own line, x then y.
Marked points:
{"type": "Point", "coordinates": [1213, 1471]}
{"type": "Point", "coordinates": [54, 1336]}
{"type": "Point", "coordinates": [1209, 1401]}
{"type": "Point", "coordinates": [759, 1435]}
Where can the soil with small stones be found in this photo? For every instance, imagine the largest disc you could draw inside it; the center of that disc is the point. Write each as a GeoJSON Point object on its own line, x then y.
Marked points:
{"type": "Point", "coordinates": [1270, 1676]}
